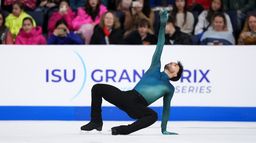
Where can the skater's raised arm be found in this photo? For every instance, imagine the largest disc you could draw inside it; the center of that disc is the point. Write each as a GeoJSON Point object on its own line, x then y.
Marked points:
{"type": "Point", "coordinates": [161, 39]}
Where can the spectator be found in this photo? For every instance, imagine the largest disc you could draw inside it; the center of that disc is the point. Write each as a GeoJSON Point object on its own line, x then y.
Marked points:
{"type": "Point", "coordinates": [64, 12]}
{"type": "Point", "coordinates": [15, 19]}
{"type": "Point", "coordinates": [62, 35]}
{"type": "Point", "coordinates": [173, 35]}
{"type": "Point", "coordinates": [206, 16]}
{"type": "Point", "coordinates": [248, 35]}
{"type": "Point", "coordinates": [140, 9]}
{"type": "Point", "coordinates": [237, 10]}
{"type": "Point", "coordinates": [88, 17]}
{"type": "Point", "coordinates": [5, 34]}
{"type": "Point", "coordinates": [124, 13]}
{"type": "Point", "coordinates": [123, 4]}
{"type": "Point", "coordinates": [219, 34]}
{"type": "Point", "coordinates": [41, 5]}
{"type": "Point", "coordinates": [28, 4]}
{"type": "Point", "coordinates": [108, 31]}
{"type": "Point", "coordinates": [182, 17]}
{"type": "Point", "coordinates": [29, 34]}
{"type": "Point", "coordinates": [75, 4]}
{"type": "Point", "coordinates": [47, 5]}
{"type": "Point", "coordinates": [142, 35]}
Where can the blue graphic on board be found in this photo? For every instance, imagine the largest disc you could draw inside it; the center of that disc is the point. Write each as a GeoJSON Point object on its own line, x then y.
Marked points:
{"type": "Point", "coordinates": [84, 76]}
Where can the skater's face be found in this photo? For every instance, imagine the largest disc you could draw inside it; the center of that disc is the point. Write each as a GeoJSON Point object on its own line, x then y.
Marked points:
{"type": "Point", "coordinates": [172, 68]}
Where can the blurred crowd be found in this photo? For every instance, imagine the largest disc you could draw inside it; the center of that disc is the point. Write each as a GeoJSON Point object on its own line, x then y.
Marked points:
{"type": "Point", "coordinates": [130, 22]}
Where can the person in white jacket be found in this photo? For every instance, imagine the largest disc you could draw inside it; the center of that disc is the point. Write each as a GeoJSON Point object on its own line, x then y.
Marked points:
{"type": "Point", "coordinates": [219, 35]}
{"type": "Point", "coordinates": [205, 18]}
{"type": "Point", "coordinates": [182, 17]}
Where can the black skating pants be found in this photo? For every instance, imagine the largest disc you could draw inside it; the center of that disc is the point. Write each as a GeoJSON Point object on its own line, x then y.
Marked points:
{"type": "Point", "coordinates": [130, 102]}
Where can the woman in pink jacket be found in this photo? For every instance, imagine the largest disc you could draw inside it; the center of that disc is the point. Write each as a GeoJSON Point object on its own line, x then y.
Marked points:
{"type": "Point", "coordinates": [88, 17]}
{"type": "Point", "coordinates": [65, 13]}
{"type": "Point", "coordinates": [30, 35]}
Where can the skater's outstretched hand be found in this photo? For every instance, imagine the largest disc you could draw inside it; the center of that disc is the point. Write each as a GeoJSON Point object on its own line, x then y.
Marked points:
{"type": "Point", "coordinates": [164, 14]}
{"type": "Point", "coordinates": [169, 133]}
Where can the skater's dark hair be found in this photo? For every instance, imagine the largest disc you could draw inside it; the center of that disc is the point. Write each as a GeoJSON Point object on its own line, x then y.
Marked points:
{"type": "Point", "coordinates": [179, 74]}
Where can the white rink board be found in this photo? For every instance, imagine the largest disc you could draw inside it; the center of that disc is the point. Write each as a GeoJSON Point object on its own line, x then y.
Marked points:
{"type": "Point", "coordinates": [34, 75]}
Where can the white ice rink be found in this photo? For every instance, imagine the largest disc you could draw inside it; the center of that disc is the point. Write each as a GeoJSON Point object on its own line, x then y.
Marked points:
{"type": "Point", "coordinates": [69, 132]}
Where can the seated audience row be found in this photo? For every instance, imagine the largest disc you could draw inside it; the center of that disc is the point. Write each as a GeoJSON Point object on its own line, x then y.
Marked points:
{"type": "Point", "coordinates": [132, 22]}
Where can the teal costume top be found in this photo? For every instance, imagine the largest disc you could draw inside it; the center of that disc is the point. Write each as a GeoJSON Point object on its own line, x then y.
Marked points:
{"type": "Point", "coordinates": [155, 84]}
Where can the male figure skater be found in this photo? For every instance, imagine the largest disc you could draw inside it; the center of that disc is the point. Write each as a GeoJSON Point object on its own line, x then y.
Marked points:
{"type": "Point", "coordinates": [152, 86]}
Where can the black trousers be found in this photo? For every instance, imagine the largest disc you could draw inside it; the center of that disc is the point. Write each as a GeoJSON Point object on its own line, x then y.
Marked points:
{"type": "Point", "coordinates": [130, 102]}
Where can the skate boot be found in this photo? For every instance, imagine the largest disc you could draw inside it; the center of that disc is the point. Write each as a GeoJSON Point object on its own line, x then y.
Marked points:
{"type": "Point", "coordinates": [120, 130]}
{"type": "Point", "coordinates": [92, 125]}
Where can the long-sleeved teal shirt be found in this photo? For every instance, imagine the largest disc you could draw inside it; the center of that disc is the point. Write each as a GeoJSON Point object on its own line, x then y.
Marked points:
{"type": "Point", "coordinates": [155, 84]}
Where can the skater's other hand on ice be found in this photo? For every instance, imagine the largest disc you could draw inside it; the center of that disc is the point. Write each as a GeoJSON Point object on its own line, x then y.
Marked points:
{"type": "Point", "coordinates": [169, 133]}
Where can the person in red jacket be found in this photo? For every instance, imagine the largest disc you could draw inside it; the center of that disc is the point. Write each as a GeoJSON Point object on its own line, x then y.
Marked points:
{"type": "Point", "coordinates": [204, 3]}
{"type": "Point", "coordinates": [30, 35]}
{"type": "Point", "coordinates": [198, 5]}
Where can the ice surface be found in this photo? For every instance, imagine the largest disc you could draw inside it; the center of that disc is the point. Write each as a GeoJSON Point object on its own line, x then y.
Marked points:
{"type": "Point", "coordinates": [69, 132]}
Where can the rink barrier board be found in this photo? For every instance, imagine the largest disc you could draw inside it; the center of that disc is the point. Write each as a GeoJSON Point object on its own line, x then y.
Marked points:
{"type": "Point", "coordinates": [54, 83]}
{"type": "Point", "coordinates": [240, 114]}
